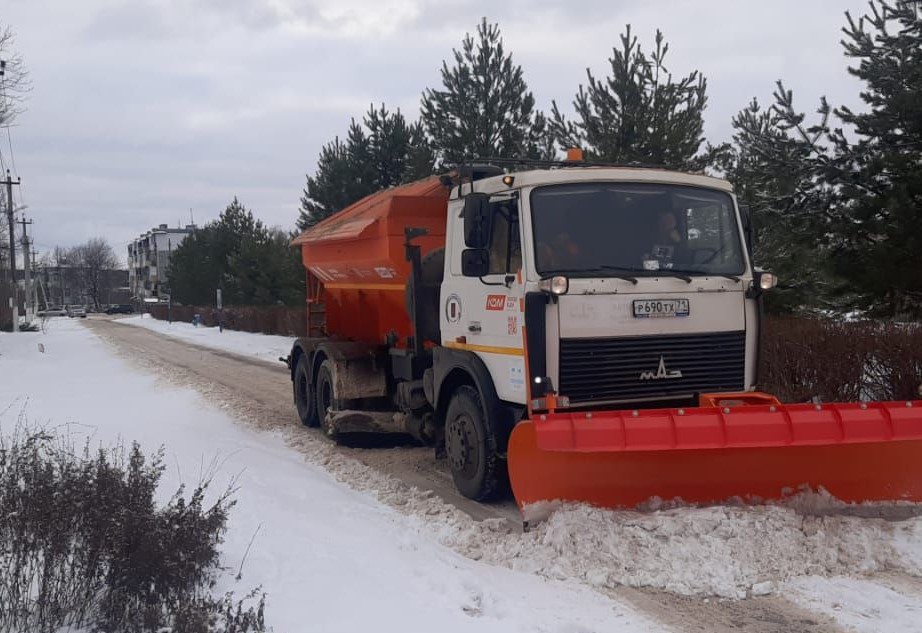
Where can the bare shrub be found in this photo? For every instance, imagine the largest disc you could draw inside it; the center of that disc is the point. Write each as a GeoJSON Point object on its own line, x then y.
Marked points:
{"type": "Point", "coordinates": [83, 543]}
{"type": "Point", "coordinates": [805, 359]}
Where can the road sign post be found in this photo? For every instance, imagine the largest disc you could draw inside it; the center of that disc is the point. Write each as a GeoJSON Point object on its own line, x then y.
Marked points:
{"type": "Point", "coordinates": [220, 311]}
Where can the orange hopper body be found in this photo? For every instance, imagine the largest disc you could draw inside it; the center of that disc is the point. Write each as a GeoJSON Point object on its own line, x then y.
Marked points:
{"type": "Point", "coordinates": [357, 255]}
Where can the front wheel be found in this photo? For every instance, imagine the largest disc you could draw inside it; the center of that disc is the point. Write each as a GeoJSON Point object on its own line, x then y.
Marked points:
{"type": "Point", "coordinates": [470, 445]}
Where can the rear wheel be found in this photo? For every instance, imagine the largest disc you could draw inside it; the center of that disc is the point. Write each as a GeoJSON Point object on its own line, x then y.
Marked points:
{"type": "Point", "coordinates": [324, 394]}
{"type": "Point", "coordinates": [304, 393]}
{"type": "Point", "coordinates": [470, 445]}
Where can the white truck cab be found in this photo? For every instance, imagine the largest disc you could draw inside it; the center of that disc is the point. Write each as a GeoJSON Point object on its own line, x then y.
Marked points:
{"type": "Point", "coordinates": [573, 289]}
{"type": "Point", "coordinates": [605, 286]}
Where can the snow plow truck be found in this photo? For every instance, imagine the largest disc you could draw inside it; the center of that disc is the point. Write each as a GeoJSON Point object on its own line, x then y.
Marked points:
{"type": "Point", "coordinates": [592, 331]}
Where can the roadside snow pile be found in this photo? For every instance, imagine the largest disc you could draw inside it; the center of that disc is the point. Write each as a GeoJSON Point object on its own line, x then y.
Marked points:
{"type": "Point", "coordinates": [728, 551]}
{"type": "Point", "coordinates": [724, 550]}
{"type": "Point", "coordinates": [264, 347]}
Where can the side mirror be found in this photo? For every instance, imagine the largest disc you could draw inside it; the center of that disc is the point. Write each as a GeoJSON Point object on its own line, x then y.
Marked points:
{"type": "Point", "coordinates": [475, 262]}
{"type": "Point", "coordinates": [478, 220]}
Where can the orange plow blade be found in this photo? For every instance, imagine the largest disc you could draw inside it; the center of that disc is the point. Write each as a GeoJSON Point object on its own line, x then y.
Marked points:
{"type": "Point", "coordinates": [857, 452]}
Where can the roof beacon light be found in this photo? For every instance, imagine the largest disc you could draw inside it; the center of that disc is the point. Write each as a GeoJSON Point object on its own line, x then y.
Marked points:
{"type": "Point", "coordinates": [574, 155]}
{"type": "Point", "coordinates": [508, 179]}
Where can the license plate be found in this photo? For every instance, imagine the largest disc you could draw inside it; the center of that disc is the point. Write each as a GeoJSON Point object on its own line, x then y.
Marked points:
{"type": "Point", "coordinates": [651, 308]}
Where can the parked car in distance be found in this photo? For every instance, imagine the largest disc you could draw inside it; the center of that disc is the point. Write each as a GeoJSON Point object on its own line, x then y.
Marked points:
{"type": "Point", "coordinates": [121, 308]}
{"type": "Point", "coordinates": [52, 311]}
{"type": "Point", "coordinates": [76, 311]}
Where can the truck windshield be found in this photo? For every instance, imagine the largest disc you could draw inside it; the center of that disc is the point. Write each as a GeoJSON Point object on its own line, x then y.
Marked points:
{"type": "Point", "coordinates": [600, 229]}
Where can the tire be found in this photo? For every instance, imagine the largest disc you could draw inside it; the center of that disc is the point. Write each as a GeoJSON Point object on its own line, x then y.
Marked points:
{"type": "Point", "coordinates": [325, 397]}
{"type": "Point", "coordinates": [304, 393]}
{"type": "Point", "coordinates": [470, 445]}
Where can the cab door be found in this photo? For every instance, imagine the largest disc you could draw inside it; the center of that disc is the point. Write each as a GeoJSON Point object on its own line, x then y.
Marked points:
{"type": "Point", "coordinates": [482, 314]}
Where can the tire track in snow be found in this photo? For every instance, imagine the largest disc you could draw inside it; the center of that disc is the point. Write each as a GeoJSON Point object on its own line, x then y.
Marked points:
{"type": "Point", "coordinates": [770, 614]}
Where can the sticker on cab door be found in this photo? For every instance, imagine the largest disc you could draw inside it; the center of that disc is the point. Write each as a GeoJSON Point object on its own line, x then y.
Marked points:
{"type": "Point", "coordinates": [496, 302]}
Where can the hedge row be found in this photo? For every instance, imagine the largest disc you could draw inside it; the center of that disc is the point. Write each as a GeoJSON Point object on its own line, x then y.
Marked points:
{"type": "Point", "coordinates": [829, 360]}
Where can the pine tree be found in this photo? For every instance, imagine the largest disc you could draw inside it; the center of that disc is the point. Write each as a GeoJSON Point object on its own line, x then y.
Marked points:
{"type": "Point", "coordinates": [327, 190]}
{"type": "Point", "coordinates": [638, 114]}
{"type": "Point", "coordinates": [251, 264]}
{"type": "Point", "coordinates": [485, 107]}
{"type": "Point", "coordinates": [382, 151]}
{"type": "Point", "coordinates": [421, 157]}
{"type": "Point", "coordinates": [879, 238]}
{"type": "Point", "coordinates": [776, 164]}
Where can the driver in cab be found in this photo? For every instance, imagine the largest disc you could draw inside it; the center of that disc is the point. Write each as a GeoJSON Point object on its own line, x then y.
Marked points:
{"type": "Point", "coordinates": [560, 253]}
{"type": "Point", "coordinates": [666, 246]}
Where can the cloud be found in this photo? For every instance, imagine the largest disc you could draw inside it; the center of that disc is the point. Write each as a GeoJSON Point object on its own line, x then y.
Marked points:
{"type": "Point", "coordinates": [144, 108]}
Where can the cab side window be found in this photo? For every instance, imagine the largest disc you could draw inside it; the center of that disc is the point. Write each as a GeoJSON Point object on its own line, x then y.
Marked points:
{"type": "Point", "coordinates": [505, 244]}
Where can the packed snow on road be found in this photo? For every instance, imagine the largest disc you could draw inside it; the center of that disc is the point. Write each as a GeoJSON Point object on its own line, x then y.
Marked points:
{"type": "Point", "coordinates": [339, 547]}
{"type": "Point", "coordinates": [263, 347]}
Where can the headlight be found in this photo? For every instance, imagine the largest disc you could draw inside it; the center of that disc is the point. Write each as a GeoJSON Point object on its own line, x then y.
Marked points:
{"type": "Point", "coordinates": [767, 281]}
{"type": "Point", "coordinates": [556, 285]}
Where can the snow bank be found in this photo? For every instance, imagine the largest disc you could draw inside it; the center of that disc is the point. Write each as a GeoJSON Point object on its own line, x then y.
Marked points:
{"type": "Point", "coordinates": [728, 551]}
{"type": "Point", "coordinates": [263, 347]}
{"type": "Point", "coordinates": [330, 558]}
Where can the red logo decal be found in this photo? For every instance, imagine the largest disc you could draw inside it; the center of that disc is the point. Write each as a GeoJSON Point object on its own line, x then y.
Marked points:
{"type": "Point", "coordinates": [496, 302]}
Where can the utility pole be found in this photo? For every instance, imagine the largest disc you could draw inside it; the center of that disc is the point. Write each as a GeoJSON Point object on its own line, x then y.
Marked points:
{"type": "Point", "coordinates": [38, 282]}
{"type": "Point", "coordinates": [27, 270]}
{"type": "Point", "coordinates": [169, 307]}
{"type": "Point", "coordinates": [12, 225]}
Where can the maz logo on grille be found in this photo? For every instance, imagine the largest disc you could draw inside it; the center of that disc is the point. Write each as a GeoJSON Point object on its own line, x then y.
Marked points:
{"type": "Point", "coordinates": [661, 372]}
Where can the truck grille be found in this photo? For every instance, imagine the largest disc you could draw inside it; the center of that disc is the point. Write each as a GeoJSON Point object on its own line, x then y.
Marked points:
{"type": "Point", "coordinates": [610, 369]}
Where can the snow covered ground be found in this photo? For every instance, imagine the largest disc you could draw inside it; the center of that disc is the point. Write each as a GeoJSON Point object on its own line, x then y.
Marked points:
{"type": "Point", "coordinates": [375, 554]}
{"type": "Point", "coordinates": [260, 346]}
{"type": "Point", "coordinates": [330, 558]}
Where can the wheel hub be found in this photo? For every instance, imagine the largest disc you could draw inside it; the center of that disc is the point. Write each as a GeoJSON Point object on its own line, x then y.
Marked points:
{"type": "Point", "coordinates": [459, 444]}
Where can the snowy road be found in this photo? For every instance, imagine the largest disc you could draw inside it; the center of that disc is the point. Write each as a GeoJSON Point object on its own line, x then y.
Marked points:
{"type": "Point", "coordinates": [261, 390]}
{"type": "Point", "coordinates": [832, 572]}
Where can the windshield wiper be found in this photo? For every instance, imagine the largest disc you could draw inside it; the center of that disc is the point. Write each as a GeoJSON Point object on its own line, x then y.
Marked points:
{"type": "Point", "coordinates": [659, 272]}
{"type": "Point", "coordinates": [599, 270]}
{"type": "Point", "coordinates": [709, 274]}
{"type": "Point", "coordinates": [671, 272]}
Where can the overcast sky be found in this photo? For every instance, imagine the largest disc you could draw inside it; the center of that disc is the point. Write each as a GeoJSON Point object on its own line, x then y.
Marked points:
{"type": "Point", "coordinates": [143, 109]}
